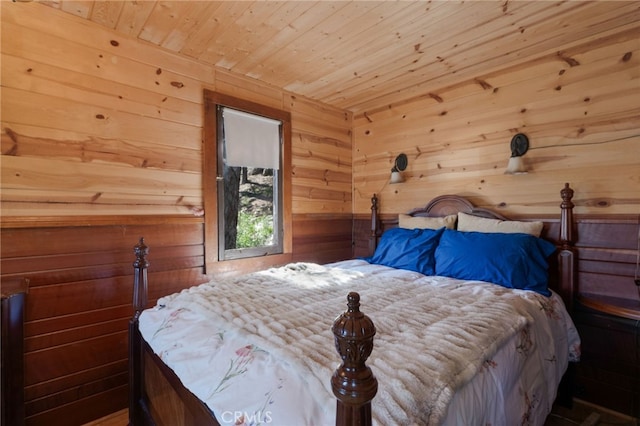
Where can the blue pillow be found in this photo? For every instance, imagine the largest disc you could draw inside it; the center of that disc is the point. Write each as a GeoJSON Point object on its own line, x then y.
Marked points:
{"type": "Point", "coordinates": [411, 249]}
{"type": "Point", "coordinates": [510, 260]}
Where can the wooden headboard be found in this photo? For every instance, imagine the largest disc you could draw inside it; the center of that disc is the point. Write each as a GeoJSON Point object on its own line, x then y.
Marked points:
{"type": "Point", "coordinates": [562, 275]}
{"type": "Point", "coordinates": [445, 205]}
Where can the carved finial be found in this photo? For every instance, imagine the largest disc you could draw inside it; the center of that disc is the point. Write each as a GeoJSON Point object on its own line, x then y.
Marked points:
{"type": "Point", "coordinates": [374, 202]}
{"type": "Point", "coordinates": [353, 302]}
{"type": "Point", "coordinates": [353, 382]}
{"type": "Point", "coordinates": [140, 266]}
{"type": "Point", "coordinates": [566, 217]}
{"type": "Point", "coordinates": [567, 194]}
{"type": "Point", "coordinates": [141, 250]}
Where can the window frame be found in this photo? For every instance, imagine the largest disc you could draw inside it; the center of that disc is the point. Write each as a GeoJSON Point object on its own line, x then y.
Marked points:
{"type": "Point", "coordinates": [211, 184]}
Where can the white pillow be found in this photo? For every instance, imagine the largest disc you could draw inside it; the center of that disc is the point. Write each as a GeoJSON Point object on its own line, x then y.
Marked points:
{"type": "Point", "coordinates": [412, 222]}
{"type": "Point", "coordinates": [470, 223]}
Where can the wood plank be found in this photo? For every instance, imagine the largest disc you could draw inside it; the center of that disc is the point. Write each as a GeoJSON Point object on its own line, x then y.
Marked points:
{"type": "Point", "coordinates": [104, 151]}
{"type": "Point", "coordinates": [302, 205]}
{"type": "Point", "coordinates": [248, 89]}
{"type": "Point", "coordinates": [609, 235]}
{"type": "Point", "coordinates": [340, 34]}
{"type": "Point", "coordinates": [20, 73]}
{"type": "Point", "coordinates": [325, 176]}
{"type": "Point", "coordinates": [241, 33]}
{"type": "Point", "coordinates": [80, 32]}
{"type": "Point", "coordinates": [509, 83]}
{"type": "Point", "coordinates": [83, 410]}
{"type": "Point", "coordinates": [321, 228]}
{"type": "Point", "coordinates": [71, 395]}
{"type": "Point", "coordinates": [45, 47]}
{"type": "Point", "coordinates": [23, 173]}
{"type": "Point", "coordinates": [65, 299]}
{"type": "Point", "coordinates": [26, 202]}
{"type": "Point", "coordinates": [198, 44]}
{"type": "Point", "coordinates": [30, 108]}
{"type": "Point", "coordinates": [557, 34]}
{"type": "Point", "coordinates": [85, 265]}
{"type": "Point", "coordinates": [291, 17]}
{"type": "Point", "coordinates": [106, 12]}
{"type": "Point", "coordinates": [375, 39]}
{"type": "Point", "coordinates": [466, 41]}
{"type": "Point", "coordinates": [74, 380]}
{"type": "Point", "coordinates": [76, 334]}
{"type": "Point", "coordinates": [36, 328]}
{"type": "Point", "coordinates": [98, 239]}
{"type": "Point", "coordinates": [59, 361]}
{"type": "Point", "coordinates": [133, 16]}
{"type": "Point", "coordinates": [161, 21]}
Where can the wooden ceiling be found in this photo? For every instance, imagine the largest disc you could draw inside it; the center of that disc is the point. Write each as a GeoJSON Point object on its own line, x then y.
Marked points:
{"type": "Point", "coordinates": [361, 55]}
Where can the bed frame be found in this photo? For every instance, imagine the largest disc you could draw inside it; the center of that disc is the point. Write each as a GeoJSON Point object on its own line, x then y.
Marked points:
{"type": "Point", "coordinates": [156, 395]}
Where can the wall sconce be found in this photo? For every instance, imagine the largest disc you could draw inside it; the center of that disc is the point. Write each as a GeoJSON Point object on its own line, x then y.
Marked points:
{"type": "Point", "coordinates": [519, 147]}
{"type": "Point", "coordinates": [398, 166]}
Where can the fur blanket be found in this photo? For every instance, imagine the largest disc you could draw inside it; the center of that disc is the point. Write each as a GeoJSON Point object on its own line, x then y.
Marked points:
{"type": "Point", "coordinates": [433, 333]}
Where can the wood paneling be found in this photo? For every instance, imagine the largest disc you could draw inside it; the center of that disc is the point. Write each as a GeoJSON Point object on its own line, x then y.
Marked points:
{"type": "Point", "coordinates": [579, 106]}
{"type": "Point", "coordinates": [322, 238]}
{"type": "Point", "coordinates": [95, 122]}
{"type": "Point", "coordinates": [607, 255]}
{"type": "Point", "coordinates": [78, 308]}
{"type": "Point", "coordinates": [360, 56]}
{"type": "Point", "coordinates": [79, 301]}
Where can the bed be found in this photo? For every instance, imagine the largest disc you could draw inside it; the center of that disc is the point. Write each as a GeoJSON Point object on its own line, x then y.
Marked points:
{"type": "Point", "coordinates": [448, 344]}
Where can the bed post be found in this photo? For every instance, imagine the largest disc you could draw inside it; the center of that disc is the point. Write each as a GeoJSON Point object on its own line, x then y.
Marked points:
{"type": "Point", "coordinates": [567, 255]}
{"type": "Point", "coordinates": [353, 382]}
{"type": "Point", "coordinates": [375, 223]}
{"type": "Point", "coordinates": [136, 366]}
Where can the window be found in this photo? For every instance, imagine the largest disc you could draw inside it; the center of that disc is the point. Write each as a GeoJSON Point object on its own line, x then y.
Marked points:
{"type": "Point", "coordinates": [247, 157]}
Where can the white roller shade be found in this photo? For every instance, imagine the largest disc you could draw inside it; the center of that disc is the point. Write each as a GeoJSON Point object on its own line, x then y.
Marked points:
{"type": "Point", "coordinates": [251, 140]}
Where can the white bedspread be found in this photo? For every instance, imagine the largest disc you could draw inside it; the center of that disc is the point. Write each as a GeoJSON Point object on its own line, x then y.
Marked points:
{"type": "Point", "coordinates": [268, 334]}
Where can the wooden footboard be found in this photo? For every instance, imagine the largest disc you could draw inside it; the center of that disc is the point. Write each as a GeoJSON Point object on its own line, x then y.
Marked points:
{"type": "Point", "coordinates": [157, 397]}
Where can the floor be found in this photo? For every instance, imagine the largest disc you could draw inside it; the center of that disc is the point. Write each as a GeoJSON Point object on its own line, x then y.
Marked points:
{"type": "Point", "coordinates": [582, 414]}
{"type": "Point", "coordinates": [585, 414]}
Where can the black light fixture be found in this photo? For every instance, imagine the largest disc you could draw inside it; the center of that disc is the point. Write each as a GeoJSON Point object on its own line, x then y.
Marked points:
{"type": "Point", "coordinates": [519, 147]}
{"type": "Point", "coordinates": [398, 166]}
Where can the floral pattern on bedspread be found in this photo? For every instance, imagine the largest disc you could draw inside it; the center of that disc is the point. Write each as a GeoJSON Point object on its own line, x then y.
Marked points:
{"type": "Point", "coordinates": [240, 394]}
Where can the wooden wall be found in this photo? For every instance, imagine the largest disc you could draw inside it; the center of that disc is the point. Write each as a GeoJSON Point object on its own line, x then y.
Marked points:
{"type": "Point", "coordinates": [81, 100]}
{"type": "Point", "coordinates": [102, 144]}
{"type": "Point", "coordinates": [579, 105]}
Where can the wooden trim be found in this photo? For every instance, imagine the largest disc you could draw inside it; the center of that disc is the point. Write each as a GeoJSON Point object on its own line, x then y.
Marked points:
{"type": "Point", "coordinates": [618, 307]}
{"type": "Point", "coordinates": [321, 216]}
{"type": "Point", "coordinates": [210, 169]}
{"type": "Point", "coordinates": [77, 221]}
{"type": "Point", "coordinates": [577, 218]}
